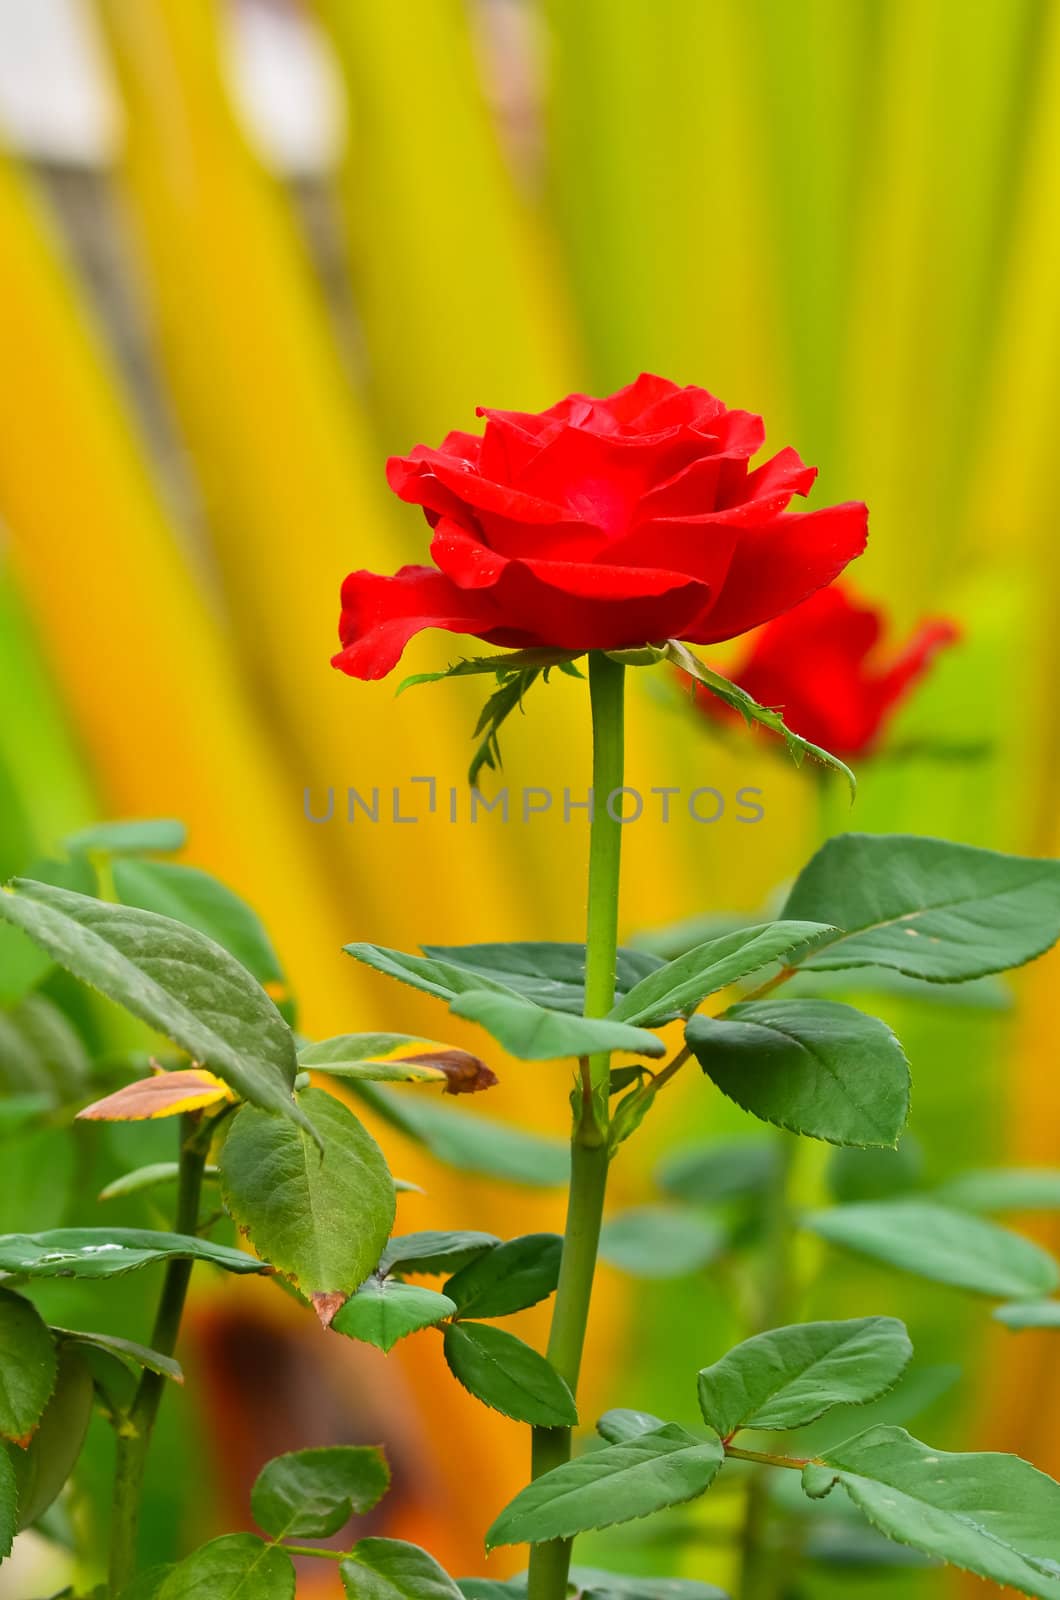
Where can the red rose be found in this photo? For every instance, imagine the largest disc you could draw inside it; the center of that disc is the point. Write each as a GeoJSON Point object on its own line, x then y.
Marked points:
{"type": "Point", "coordinates": [600, 525]}
{"type": "Point", "coordinates": [820, 667]}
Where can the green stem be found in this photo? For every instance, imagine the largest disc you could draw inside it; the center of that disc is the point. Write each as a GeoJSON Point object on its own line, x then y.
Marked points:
{"type": "Point", "coordinates": [550, 1563]}
{"type": "Point", "coordinates": [134, 1433]}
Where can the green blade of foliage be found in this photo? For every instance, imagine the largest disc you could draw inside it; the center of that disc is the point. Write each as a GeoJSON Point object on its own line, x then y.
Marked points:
{"type": "Point", "coordinates": [472, 1142]}
{"type": "Point", "coordinates": [660, 1242]}
{"type": "Point", "coordinates": [754, 714]}
{"type": "Point", "coordinates": [8, 1505]}
{"type": "Point", "coordinates": [946, 1246]}
{"type": "Point", "coordinates": [933, 910]}
{"type": "Point", "coordinates": [42, 1469]}
{"type": "Point", "coordinates": [1029, 1314]}
{"type": "Point", "coordinates": [994, 1515]}
{"type": "Point", "coordinates": [391, 1569]}
{"type": "Point", "coordinates": [815, 1067]}
{"type": "Point", "coordinates": [235, 1567]}
{"type": "Point", "coordinates": [533, 1033]}
{"type": "Point", "coordinates": [110, 1252]}
{"type": "Point", "coordinates": [148, 1586]}
{"type": "Point", "coordinates": [127, 1350]}
{"type": "Point", "coordinates": [321, 1216]}
{"type": "Point", "coordinates": [384, 1310]}
{"type": "Point", "coordinates": [444, 979]}
{"type": "Point", "coordinates": [516, 1274]}
{"type": "Point", "coordinates": [681, 985]}
{"type": "Point", "coordinates": [616, 1484]}
{"type": "Point", "coordinates": [791, 1376]}
{"type": "Point", "coordinates": [551, 973]}
{"type": "Point", "coordinates": [152, 1176]}
{"type": "Point", "coordinates": [434, 1253]}
{"type": "Point", "coordinates": [311, 1494]}
{"type": "Point", "coordinates": [507, 1375]}
{"type": "Point", "coordinates": [199, 901]}
{"type": "Point", "coordinates": [593, 1584]}
{"type": "Point", "coordinates": [171, 977]}
{"type": "Point", "coordinates": [854, 1174]}
{"type": "Point", "coordinates": [28, 1367]}
{"type": "Point", "coordinates": [621, 1424]}
{"type": "Point", "coordinates": [362, 1056]}
{"type": "Point", "coordinates": [1003, 1189]}
{"type": "Point", "coordinates": [151, 836]}
{"type": "Point", "coordinates": [713, 1174]}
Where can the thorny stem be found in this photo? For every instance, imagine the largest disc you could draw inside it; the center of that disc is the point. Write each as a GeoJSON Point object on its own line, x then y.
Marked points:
{"type": "Point", "coordinates": [550, 1563]}
{"type": "Point", "coordinates": [135, 1429]}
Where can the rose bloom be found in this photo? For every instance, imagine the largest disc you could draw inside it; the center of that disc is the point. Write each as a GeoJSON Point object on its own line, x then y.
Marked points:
{"type": "Point", "coordinates": [600, 525]}
{"type": "Point", "coordinates": [825, 668]}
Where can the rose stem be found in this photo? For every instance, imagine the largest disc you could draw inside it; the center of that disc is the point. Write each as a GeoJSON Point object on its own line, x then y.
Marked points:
{"type": "Point", "coordinates": [549, 1563]}
{"type": "Point", "coordinates": [134, 1431]}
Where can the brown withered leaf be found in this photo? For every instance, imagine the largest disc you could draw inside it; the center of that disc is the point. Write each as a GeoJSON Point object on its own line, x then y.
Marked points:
{"type": "Point", "coordinates": [464, 1073]}
{"type": "Point", "coordinates": [327, 1306]}
{"type": "Point", "coordinates": [164, 1094]}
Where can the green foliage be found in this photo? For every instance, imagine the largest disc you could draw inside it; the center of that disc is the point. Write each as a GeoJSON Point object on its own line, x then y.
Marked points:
{"type": "Point", "coordinates": [321, 1216]}
{"type": "Point", "coordinates": [472, 1142]}
{"type": "Point", "coordinates": [934, 910]}
{"type": "Point", "coordinates": [8, 1505]}
{"type": "Point", "coordinates": [357, 1055]}
{"type": "Point", "coordinates": [444, 979]}
{"type": "Point", "coordinates": [43, 1467]}
{"type": "Point", "coordinates": [945, 1246]}
{"type": "Point", "coordinates": [815, 1067]}
{"type": "Point", "coordinates": [311, 1494]}
{"type": "Point", "coordinates": [552, 974]}
{"type": "Point", "coordinates": [663, 1467]}
{"type": "Point", "coordinates": [110, 1252]}
{"type": "Point", "coordinates": [660, 1242]}
{"type": "Point", "coordinates": [508, 1278]}
{"type": "Point", "coordinates": [724, 1170]}
{"type": "Point", "coordinates": [1029, 1314]}
{"type": "Point", "coordinates": [433, 1253]}
{"type": "Point", "coordinates": [150, 836]}
{"type": "Point", "coordinates": [231, 1568]}
{"type": "Point", "coordinates": [126, 1350]}
{"type": "Point", "coordinates": [792, 1376]}
{"type": "Point", "coordinates": [1004, 1189]}
{"type": "Point", "coordinates": [171, 977]}
{"type": "Point", "coordinates": [507, 1375]}
{"type": "Point", "coordinates": [534, 1033]}
{"type": "Point", "coordinates": [384, 1310]}
{"type": "Point", "coordinates": [391, 1569]}
{"type": "Point", "coordinates": [683, 984]}
{"type": "Point", "coordinates": [990, 1514]}
{"type": "Point", "coordinates": [28, 1366]}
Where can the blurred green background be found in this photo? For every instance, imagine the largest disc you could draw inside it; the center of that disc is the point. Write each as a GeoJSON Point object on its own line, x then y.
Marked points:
{"type": "Point", "coordinates": [246, 250]}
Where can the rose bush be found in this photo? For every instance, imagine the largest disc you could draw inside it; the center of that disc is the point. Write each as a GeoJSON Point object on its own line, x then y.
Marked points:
{"type": "Point", "coordinates": [601, 524]}
{"type": "Point", "coordinates": [822, 667]}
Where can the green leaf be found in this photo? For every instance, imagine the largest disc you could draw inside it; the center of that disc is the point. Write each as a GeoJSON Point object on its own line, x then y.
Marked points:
{"type": "Point", "coordinates": [384, 1310]}
{"type": "Point", "coordinates": [731, 693]}
{"type": "Point", "coordinates": [657, 1242]}
{"type": "Point", "coordinates": [507, 1375]}
{"type": "Point", "coordinates": [149, 1177]}
{"type": "Point", "coordinates": [596, 1585]}
{"type": "Point", "coordinates": [391, 1569]}
{"type": "Point", "coordinates": [994, 1515]}
{"type": "Point", "coordinates": [171, 977]}
{"type": "Point", "coordinates": [110, 1252]}
{"type": "Point", "coordinates": [154, 835]}
{"type": "Point", "coordinates": [713, 1174]}
{"type": "Point", "coordinates": [621, 1424]}
{"type": "Point", "coordinates": [472, 1142]}
{"type": "Point", "coordinates": [434, 1253]}
{"type": "Point", "coordinates": [311, 1494]}
{"type": "Point", "coordinates": [552, 974]}
{"type": "Point", "coordinates": [37, 1174]}
{"type": "Point", "coordinates": [42, 1469]}
{"type": "Point", "coordinates": [933, 910]}
{"type": "Point", "coordinates": [945, 1246]}
{"type": "Point", "coordinates": [533, 1033]}
{"type": "Point", "coordinates": [148, 1586]}
{"type": "Point", "coordinates": [1001, 1189]}
{"type": "Point", "coordinates": [8, 1505]}
{"type": "Point", "coordinates": [616, 1484]}
{"type": "Point", "coordinates": [681, 985]}
{"type": "Point", "coordinates": [508, 1278]}
{"type": "Point", "coordinates": [201, 902]}
{"type": "Point", "coordinates": [362, 1056]}
{"type": "Point", "coordinates": [239, 1566]}
{"type": "Point", "coordinates": [321, 1216]}
{"type": "Point", "coordinates": [791, 1376]}
{"type": "Point", "coordinates": [444, 979]}
{"type": "Point", "coordinates": [1029, 1314]}
{"type": "Point", "coordinates": [815, 1067]}
{"type": "Point", "coordinates": [854, 1174]}
{"type": "Point", "coordinates": [128, 1351]}
{"type": "Point", "coordinates": [28, 1367]}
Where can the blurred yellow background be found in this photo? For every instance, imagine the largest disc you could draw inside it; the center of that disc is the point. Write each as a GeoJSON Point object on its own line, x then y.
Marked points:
{"type": "Point", "coordinates": [247, 250]}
